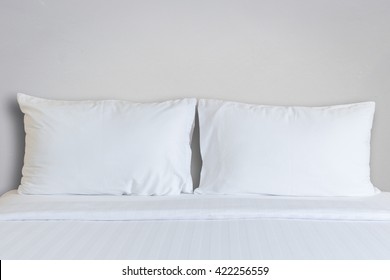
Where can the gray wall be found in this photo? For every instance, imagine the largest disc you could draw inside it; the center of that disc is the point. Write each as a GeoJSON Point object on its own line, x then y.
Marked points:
{"type": "Point", "coordinates": [284, 52]}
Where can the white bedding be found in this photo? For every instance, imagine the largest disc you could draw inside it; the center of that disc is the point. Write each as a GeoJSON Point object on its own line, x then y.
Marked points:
{"type": "Point", "coordinates": [192, 207]}
{"type": "Point", "coordinates": [194, 227]}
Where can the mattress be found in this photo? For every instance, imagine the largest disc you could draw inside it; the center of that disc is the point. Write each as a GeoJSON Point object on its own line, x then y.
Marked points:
{"type": "Point", "coordinates": [194, 227]}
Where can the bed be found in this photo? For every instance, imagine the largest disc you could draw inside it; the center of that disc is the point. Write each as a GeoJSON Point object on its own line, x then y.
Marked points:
{"type": "Point", "coordinates": [112, 180]}
{"type": "Point", "coordinates": [194, 227]}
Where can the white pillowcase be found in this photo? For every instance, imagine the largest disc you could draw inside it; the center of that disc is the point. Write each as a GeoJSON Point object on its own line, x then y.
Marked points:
{"type": "Point", "coordinates": [107, 147]}
{"type": "Point", "coordinates": [298, 151]}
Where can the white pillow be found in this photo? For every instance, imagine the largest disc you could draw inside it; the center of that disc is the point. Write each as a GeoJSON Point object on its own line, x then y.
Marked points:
{"type": "Point", "coordinates": [107, 147]}
{"type": "Point", "coordinates": [298, 151]}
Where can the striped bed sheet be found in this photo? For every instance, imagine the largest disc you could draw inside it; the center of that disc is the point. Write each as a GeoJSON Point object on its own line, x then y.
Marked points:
{"type": "Point", "coordinates": [194, 227]}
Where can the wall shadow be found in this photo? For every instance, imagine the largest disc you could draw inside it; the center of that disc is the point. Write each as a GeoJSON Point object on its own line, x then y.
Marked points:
{"type": "Point", "coordinates": [18, 147]}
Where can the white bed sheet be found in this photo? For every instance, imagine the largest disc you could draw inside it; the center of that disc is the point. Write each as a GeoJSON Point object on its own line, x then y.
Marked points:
{"type": "Point", "coordinates": [14, 206]}
{"type": "Point", "coordinates": [194, 227]}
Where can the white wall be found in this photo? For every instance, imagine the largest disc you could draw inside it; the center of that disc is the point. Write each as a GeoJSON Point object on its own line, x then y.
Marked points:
{"type": "Point", "coordinates": [303, 52]}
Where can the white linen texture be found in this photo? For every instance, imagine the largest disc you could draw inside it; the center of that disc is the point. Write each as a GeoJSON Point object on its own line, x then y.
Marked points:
{"type": "Point", "coordinates": [276, 150]}
{"type": "Point", "coordinates": [109, 147]}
